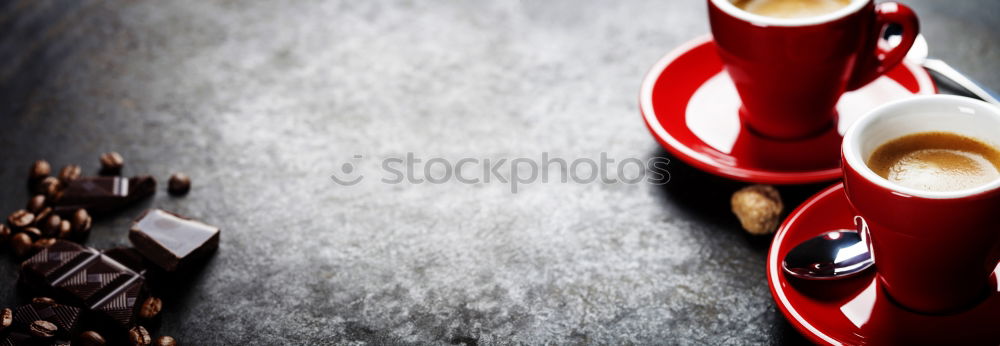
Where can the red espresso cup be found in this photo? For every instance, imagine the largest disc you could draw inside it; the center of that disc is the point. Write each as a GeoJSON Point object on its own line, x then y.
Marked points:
{"type": "Point", "coordinates": [933, 250]}
{"type": "Point", "coordinates": [790, 72]}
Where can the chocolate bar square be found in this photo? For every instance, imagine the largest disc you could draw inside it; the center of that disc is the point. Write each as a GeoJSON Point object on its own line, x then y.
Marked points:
{"type": "Point", "coordinates": [172, 241]}
{"type": "Point", "coordinates": [102, 195]}
{"type": "Point", "coordinates": [87, 278]}
{"type": "Point", "coordinates": [65, 318]}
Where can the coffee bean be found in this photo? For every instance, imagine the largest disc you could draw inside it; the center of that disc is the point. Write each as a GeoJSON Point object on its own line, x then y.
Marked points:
{"type": "Point", "coordinates": [33, 232]}
{"type": "Point", "coordinates": [43, 300]}
{"type": "Point", "coordinates": [139, 336]}
{"type": "Point", "coordinates": [91, 338]}
{"type": "Point", "coordinates": [40, 244]}
{"type": "Point", "coordinates": [50, 187]}
{"type": "Point", "coordinates": [20, 218]}
{"type": "Point", "coordinates": [81, 222]}
{"type": "Point", "coordinates": [65, 229]}
{"type": "Point", "coordinates": [6, 318]}
{"type": "Point", "coordinates": [150, 308]}
{"type": "Point", "coordinates": [79, 217]}
{"type": "Point", "coordinates": [111, 163]}
{"type": "Point", "coordinates": [41, 215]}
{"type": "Point", "coordinates": [83, 230]}
{"type": "Point", "coordinates": [165, 341]}
{"type": "Point", "coordinates": [21, 244]}
{"type": "Point", "coordinates": [39, 170]}
{"type": "Point", "coordinates": [50, 225]}
{"type": "Point", "coordinates": [179, 184]}
{"type": "Point", "coordinates": [36, 203]}
{"type": "Point", "coordinates": [4, 233]}
{"type": "Point", "coordinates": [43, 329]}
{"type": "Point", "coordinates": [70, 173]}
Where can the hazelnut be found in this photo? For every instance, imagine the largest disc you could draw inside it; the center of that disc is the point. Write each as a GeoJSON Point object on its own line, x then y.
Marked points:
{"type": "Point", "coordinates": [758, 207]}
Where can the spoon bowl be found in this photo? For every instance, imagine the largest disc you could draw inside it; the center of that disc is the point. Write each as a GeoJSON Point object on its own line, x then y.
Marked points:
{"type": "Point", "coordinates": [832, 255]}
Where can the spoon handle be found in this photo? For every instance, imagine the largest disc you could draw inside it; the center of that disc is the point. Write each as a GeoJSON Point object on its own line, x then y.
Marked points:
{"type": "Point", "coordinates": [946, 71]}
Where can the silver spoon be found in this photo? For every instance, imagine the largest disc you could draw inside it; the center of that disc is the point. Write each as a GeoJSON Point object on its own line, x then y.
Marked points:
{"type": "Point", "coordinates": [918, 54]}
{"type": "Point", "coordinates": [832, 255]}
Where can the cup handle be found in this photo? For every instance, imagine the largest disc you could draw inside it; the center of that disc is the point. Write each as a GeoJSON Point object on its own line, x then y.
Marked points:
{"type": "Point", "coordinates": [882, 59]}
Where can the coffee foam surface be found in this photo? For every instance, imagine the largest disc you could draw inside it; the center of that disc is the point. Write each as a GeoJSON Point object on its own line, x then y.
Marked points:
{"type": "Point", "coordinates": [790, 8]}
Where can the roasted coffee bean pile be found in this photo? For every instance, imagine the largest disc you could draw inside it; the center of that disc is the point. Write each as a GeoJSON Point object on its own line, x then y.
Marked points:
{"type": "Point", "coordinates": [39, 224]}
{"type": "Point", "coordinates": [57, 216]}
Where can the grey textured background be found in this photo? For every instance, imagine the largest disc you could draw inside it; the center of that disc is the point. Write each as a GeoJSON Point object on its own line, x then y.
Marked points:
{"type": "Point", "coordinates": [260, 101]}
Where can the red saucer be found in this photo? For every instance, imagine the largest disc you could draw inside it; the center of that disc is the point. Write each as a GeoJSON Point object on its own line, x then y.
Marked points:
{"type": "Point", "coordinates": [856, 310]}
{"type": "Point", "coordinates": [691, 106]}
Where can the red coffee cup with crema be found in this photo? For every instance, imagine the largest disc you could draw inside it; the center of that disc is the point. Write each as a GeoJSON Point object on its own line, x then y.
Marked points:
{"type": "Point", "coordinates": [934, 251]}
{"type": "Point", "coordinates": [790, 72]}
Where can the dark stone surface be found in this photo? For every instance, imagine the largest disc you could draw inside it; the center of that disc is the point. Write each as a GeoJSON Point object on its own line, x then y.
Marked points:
{"type": "Point", "coordinates": [261, 101]}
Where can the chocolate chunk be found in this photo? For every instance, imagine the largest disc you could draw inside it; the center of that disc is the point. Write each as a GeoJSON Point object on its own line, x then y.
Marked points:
{"type": "Point", "coordinates": [16, 338]}
{"type": "Point", "coordinates": [172, 241]}
{"type": "Point", "coordinates": [45, 320]}
{"type": "Point", "coordinates": [101, 195]}
{"type": "Point", "coordinates": [85, 277]}
{"type": "Point", "coordinates": [157, 281]}
{"type": "Point", "coordinates": [128, 257]}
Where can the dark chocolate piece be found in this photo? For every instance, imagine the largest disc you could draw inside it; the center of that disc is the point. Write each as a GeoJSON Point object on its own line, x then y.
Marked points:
{"type": "Point", "coordinates": [129, 257]}
{"type": "Point", "coordinates": [19, 338]}
{"type": "Point", "coordinates": [101, 195]}
{"type": "Point", "coordinates": [172, 241]}
{"type": "Point", "coordinates": [85, 277]}
{"type": "Point", "coordinates": [64, 318]}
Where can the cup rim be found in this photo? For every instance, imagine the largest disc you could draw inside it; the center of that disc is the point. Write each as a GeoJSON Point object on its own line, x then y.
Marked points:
{"type": "Point", "coordinates": [756, 19]}
{"type": "Point", "coordinates": [851, 147]}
